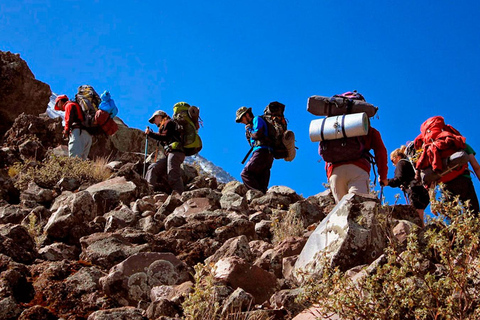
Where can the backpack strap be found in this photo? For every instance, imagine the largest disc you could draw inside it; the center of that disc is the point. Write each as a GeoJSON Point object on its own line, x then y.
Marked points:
{"type": "Point", "coordinates": [343, 126]}
{"type": "Point", "coordinates": [322, 129]}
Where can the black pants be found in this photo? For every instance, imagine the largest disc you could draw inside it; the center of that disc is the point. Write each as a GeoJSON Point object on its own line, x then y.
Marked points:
{"type": "Point", "coordinates": [462, 186]}
{"type": "Point", "coordinates": [256, 174]}
{"type": "Point", "coordinates": [418, 197]}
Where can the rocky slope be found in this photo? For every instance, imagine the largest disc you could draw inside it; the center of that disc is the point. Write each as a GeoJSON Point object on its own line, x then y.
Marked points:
{"type": "Point", "coordinates": [115, 249]}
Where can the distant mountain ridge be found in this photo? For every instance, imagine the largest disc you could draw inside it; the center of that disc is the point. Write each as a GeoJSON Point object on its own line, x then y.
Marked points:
{"type": "Point", "coordinates": [205, 165]}
{"type": "Point", "coordinates": [210, 168]}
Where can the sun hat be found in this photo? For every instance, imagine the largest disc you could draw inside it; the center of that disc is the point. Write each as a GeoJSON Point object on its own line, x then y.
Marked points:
{"type": "Point", "coordinates": [240, 112]}
{"type": "Point", "coordinates": [157, 113]}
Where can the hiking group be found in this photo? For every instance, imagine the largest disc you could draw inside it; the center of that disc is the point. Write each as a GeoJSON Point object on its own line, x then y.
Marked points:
{"type": "Point", "coordinates": [438, 154]}
{"type": "Point", "coordinates": [88, 114]}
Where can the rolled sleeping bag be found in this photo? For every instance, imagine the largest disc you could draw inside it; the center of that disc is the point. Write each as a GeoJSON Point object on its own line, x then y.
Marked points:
{"type": "Point", "coordinates": [334, 106]}
{"type": "Point", "coordinates": [289, 142]}
{"type": "Point", "coordinates": [337, 127]}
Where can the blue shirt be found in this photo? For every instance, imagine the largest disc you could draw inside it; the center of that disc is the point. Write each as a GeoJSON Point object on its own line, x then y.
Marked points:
{"type": "Point", "coordinates": [257, 125]}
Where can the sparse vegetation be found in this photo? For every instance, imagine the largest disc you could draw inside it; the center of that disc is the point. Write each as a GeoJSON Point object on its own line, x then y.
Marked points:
{"type": "Point", "coordinates": [204, 302]}
{"type": "Point", "coordinates": [51, 170]}
{"type": "Point", "coordinates": [436, 276]}
{"type": "Point", "coordinates": [286, 224]}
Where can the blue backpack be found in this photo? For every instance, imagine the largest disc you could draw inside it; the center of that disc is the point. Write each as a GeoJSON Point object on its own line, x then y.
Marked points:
{"type": "Point", "coordinates": [107, 104]}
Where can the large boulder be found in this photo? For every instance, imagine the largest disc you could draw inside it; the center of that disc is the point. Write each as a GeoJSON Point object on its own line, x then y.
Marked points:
{"type": "Point", "coordinates": [131, 281]}
{"type": "Point", "coordinates": [17, 243]}
{"type": "Point", "coordinates": [238, 273]}
{"type": "Point", "coordinates": [107, 249]}
{"type": "Point", "coordinates": [109, 193]}
{"type": "Point", "coordinates": [19, 90]}
{"type": "Point", "coordinates": [349, 236]}
{"type": "Point", "coordinates": [32, 135]}
{"type": "Point", "coordinates": [70, 221]}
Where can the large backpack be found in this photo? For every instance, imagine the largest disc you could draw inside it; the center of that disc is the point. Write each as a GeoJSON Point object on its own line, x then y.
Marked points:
{"type": "Point", "coordinates": [89, 100]}
{"type": "Point", "coordinates": [343, 150]}
{"type": "Point", "coordinates": [278, 135]}
{"type": "Point", "coordinates": [346, 149]}
{"type": "Point", "coordinates": [187, 120]}
{"type": "Point", "coordinates": [443, 157]}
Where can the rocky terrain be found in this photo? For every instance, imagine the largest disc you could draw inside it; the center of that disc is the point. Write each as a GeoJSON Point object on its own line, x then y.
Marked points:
{"type": "Point", "coordinates": [118, 250]}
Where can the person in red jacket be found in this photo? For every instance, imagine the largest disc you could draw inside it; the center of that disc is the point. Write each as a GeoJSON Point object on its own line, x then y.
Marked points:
{"type": "Point", "coordinates": [79, 140]}
{"type": "Point", "coordinates": [354, 176]}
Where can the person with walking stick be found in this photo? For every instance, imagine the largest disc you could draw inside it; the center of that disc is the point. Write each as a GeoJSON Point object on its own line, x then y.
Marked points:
{"type": "Point", "coordinates": [256, 174]}
{"type": "Point", "coordinates": [404, 178]}
{"type": "Point", "coordinates": [166, 174]}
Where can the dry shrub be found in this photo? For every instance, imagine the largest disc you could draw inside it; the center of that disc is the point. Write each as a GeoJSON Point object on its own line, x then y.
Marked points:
{"type": "Point", "coordinates": [51, 170]}
{"type": "Point", "coordinates": [436, 276]}
{"type": "Point", "coordinates": [286, 224]}
{"type": "Point", "coordinates": [203, 302]}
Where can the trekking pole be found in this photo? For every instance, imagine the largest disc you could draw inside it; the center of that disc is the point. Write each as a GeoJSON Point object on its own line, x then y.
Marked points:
{"type": "Point", "coordinates": [145, 155]}
{"type": "Point", "coordinates": [245, 159]}
{"type": "Point", "coordinates": [381, 194]}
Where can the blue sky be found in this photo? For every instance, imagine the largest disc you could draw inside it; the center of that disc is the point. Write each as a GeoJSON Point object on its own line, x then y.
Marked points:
{"type": "Point", "coordinates": [412, 59]}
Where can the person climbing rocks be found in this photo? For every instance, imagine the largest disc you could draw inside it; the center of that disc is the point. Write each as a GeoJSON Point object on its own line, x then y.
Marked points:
{"type": "Point", "coordinates": [256, 173]}
{"type": "Point", "coordinates": [79, 140]}
{"type": "Point", "coordinates": [166, 173]}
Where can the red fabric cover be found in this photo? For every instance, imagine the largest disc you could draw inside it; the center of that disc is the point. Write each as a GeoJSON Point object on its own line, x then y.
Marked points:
{"type": "Point", "coordinates": [438, 141]}
{"type": "Point", "coordinates": [373, 140]}
{"type": "Point", "coordinates": [108, 125]}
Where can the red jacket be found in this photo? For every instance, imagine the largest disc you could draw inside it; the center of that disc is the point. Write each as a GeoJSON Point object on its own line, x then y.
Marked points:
{"type": "Point", "coordinates": [73, 116]}
{"type": "Point", "coordinates": [443, 146]}
{"type": "Point", "coordinates": [373, 140]}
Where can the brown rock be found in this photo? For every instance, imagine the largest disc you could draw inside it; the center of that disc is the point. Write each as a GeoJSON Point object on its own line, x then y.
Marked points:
{"type": "Point", "coordinates": [132, 280]}
{"type": "Point", "coordinates": [236, 273]}
{"type": "Point", "coordinates": [19, 90]}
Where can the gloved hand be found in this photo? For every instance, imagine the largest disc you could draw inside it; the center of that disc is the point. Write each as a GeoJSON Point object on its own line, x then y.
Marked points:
{"type": "Point", "coordinates": [383, 182]}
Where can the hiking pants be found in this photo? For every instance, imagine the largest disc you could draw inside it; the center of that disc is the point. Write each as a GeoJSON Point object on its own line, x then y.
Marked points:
{"type": "Point", "coordinates": [462, 186]}
{"type": "Point", "coordinates": [256, 174]}
{"type": "Point", "coordinates": [348, 178]}
{"type": "Point", "coordinates": [79, 143]}
{"type": "Point", "coordinates": [167, 173]}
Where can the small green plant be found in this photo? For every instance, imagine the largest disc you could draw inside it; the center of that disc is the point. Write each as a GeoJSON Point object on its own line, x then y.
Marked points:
{"type": "Point", "coordinates": [202, 304]}
{"type": "Point", "coordinates": [51, 170]}
{"type": "Point", "coordinates": [436, 276]}
{"type": "Point", "coordinates": [34, 228]}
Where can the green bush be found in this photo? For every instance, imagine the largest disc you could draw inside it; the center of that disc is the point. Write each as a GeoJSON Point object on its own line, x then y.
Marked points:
{"type": "Point", "coordinates": [51, 170]}
{"type": "Point", "coordinates": [435, 276]}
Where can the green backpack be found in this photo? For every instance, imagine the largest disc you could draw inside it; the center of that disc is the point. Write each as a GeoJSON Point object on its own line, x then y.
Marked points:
{"type": "Point", "coordinates": [187, 118]}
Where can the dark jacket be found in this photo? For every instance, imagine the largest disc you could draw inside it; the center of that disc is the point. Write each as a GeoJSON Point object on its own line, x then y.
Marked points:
{"type": "Point", "coordinates": [167, 135]}
{"type": "Point", "coordinates": [404, 175]}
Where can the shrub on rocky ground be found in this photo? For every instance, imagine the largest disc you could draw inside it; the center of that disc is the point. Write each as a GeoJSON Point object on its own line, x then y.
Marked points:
{"type": "Point", "coordinates": [54, 168]}
{"type": "Point", "coordinates": [435, 276]}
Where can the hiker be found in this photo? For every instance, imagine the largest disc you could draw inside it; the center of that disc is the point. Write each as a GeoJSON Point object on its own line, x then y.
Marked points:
{"type": "Point", "coordinates": [256, 173]}
{"type": "Point", "coordinates": [445, 159]}
{"type": "Point", "coordinates": [166, 172]}
{"type": "Point", "coordinates": [353, 176]}
{"type": "Point", "coordinates": [79, 140]}
{"type": "Point", "coordinates": [463, 184]}
{"type": "Point", "coordinates": [405, 179]}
